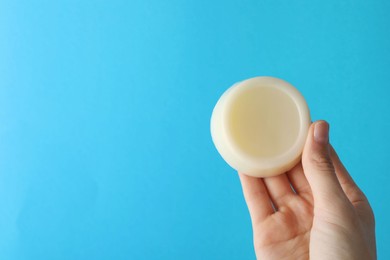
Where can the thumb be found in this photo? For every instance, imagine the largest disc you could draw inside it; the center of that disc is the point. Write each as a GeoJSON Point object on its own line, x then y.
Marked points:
{"type": "Point", "coordinates": [318, 167]}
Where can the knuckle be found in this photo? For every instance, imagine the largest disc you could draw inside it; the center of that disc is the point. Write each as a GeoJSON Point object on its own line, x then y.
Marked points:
{"type": "Point", "coordinates": [321, 162]}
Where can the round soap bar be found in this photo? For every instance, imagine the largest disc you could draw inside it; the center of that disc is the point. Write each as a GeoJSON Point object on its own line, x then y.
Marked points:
{"type": "Point", "coordinates": [260, 125]}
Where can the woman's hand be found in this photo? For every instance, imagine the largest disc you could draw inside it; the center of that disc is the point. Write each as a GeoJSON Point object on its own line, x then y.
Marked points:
{"type": "Point", "coordinates": [313, 211]}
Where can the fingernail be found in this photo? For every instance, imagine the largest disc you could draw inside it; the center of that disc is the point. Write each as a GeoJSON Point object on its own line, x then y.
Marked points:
{"type": "Point", "coordinates": [321, 132]}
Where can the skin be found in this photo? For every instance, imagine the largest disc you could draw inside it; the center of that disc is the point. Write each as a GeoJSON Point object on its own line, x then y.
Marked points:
{"type": "Point", "coordinates": [313, 211]}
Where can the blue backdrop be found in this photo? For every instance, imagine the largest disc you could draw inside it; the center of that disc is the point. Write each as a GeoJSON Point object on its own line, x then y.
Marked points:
{"type": "Point", "coordinates": [105, 149]}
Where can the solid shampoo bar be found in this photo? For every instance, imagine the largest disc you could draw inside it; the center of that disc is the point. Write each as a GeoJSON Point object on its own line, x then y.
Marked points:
{"type": "Point", "coordinates": [259, 126]}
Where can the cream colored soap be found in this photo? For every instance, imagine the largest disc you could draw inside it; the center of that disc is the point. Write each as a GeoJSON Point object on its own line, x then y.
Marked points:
{"type": "Point", "coordinates": [259, 126]}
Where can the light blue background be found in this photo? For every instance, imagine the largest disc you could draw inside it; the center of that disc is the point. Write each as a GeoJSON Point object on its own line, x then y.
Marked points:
{"type": "Point", "coordinates": [105, 150]}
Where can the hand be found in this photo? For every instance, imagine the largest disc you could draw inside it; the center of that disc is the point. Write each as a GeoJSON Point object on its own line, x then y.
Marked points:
{"type": "Point", "coordinates": [323, 216]}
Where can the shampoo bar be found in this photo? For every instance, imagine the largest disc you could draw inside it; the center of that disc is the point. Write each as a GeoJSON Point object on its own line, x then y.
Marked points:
{"type": "Point", "coordinates": [260, 125]}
